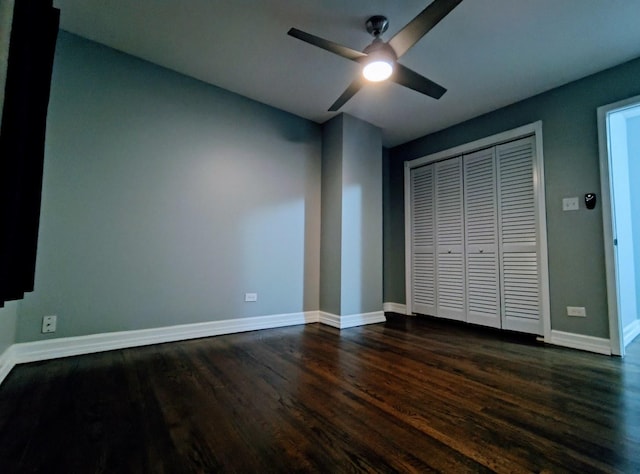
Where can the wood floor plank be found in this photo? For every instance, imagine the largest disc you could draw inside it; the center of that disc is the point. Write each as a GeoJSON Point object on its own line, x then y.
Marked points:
{"type": "Point", "coordinates": [409, 395]}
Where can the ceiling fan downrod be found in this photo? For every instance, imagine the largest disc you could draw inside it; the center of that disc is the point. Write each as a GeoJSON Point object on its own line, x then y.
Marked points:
{"type": "Point", "coordinates": [377, 25]}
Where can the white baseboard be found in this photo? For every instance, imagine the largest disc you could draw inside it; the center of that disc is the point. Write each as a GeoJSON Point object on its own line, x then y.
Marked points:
{"type": "Point", "coordinates": [351, 320]}
{"type": "Point", "coordinates": [70, 346]}
{"type": "Point", "coordinates": [329, 319]}
{"type": "Point", "coordinates": [394, 308]}
{"type": "Point", "coordinates": [7, 362]}
{"type": "Point", "coordinates": [631, 331]}
{"type": "Point", "coordinates": [578, 341]}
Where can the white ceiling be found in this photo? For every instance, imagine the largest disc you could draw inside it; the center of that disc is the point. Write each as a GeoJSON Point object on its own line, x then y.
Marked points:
{"type": "Point", "coordinates": [487, 53]}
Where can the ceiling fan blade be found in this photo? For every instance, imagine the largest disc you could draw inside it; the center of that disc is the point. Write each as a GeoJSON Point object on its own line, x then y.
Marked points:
{"type": "Point", "coordinates": [421, 24]}
{"type": "Point", "coordinates": [327, 45]}
{"type": "Point", "coordinates": [408, 78]}
{"type": "Point", "coordinates": [354, 87]}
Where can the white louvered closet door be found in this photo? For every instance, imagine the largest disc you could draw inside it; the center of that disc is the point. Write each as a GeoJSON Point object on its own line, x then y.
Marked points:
{"type": "Point", "coordinates": [520, 269]}
{"type": "Point", "coordinates": [450, 281]}
{"type": "Point", "coordinates": [481, 238]}
{"type": "Point", "coordinates": [423, 241]}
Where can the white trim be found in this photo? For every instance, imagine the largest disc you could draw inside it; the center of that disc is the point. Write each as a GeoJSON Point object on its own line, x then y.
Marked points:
{"type": "Point", "coordinates": [607, 226]}
{"type": "Point", "coordinates": [351, 320]}
{"type": "Point", "coordinates": [408, 244]}
{"type": "Point", "coordinates": [579, 341]}
{"type": "Point", "coordinates": [534, 129]}
{"type": "Point", "coordinates": [329, 319]}
{"type": "Point", "coordinates": [394, 308]}
{"type": "Point", "coordinates": [7, 362]}
{"type": "Point", "coordinates": [631, 331]}
{"type": "Point", "coordinates": [78, 345]}
{"type": "Point", "coordinates": [615, 328]}
{"type": "Point", "coordinates": [466, 148]}
{"type": "Point", "coordinates": [541, 217]}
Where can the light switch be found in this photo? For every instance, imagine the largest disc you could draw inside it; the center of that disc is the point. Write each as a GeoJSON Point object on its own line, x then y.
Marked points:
{"type": "Point", "coordinates": [570, 204]}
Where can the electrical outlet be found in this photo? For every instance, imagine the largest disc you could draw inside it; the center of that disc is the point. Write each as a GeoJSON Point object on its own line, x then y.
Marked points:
{"type": "Point", "coordinates": [576, 311]}
{"type": "Point", "coordinates": [251, 297]}
{"type": "Point", "coordinates": [570, 204]}
{"type": "Point", "coordinates": [49, 323]}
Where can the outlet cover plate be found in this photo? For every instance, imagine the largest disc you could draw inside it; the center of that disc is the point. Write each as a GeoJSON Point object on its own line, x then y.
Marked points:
{"type": "Point", "coordinates": [251, 297]}
{"type": "Point", "coordinates": [570, 204]}
{"type": "Point", "coordinates": [576, 311]}
{"type": "Point", "coordinates": [49, 323]}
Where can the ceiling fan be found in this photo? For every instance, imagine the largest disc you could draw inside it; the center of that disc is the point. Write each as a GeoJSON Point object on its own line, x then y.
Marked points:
{"type": "Point", "coordinates": [380, 58]}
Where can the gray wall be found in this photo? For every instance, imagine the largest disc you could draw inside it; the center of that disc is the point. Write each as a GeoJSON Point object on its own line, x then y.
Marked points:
{"type": "Point", "coordinates": [351, 248]}
{"type": "Point", "coordinates": [576, 254]}
{"type": "Point", "coordinates": [166, 199]}
{"type": "Point", "coordinates": [8, 313]}
{"type": "Point", "coordinates": [8, 320]}
{"type": "Point", "coordinates": [6, 17]}
{"type": "Point", "coordinates": [331, 233]}
{"type": "Point", "coordinates": [633, 137]}
{"type": "Point", "coordinates": [393, 228]}
{"type": "Point", "coordinates": [361, 217]}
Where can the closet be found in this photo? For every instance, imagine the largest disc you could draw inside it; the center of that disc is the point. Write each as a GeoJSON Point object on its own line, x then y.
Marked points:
{"type": "Point", "coordinates": [474, 243]}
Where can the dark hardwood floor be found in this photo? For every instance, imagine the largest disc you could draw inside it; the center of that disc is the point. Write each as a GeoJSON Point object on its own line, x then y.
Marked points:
{"type": "Point", "coordinates": [410, 395]}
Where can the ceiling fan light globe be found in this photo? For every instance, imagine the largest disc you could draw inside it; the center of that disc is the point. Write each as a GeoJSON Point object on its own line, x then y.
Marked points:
{"type": "Point", "coordinates": [377, 71]}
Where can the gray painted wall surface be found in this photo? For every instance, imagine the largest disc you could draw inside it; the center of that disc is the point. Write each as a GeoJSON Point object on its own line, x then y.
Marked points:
{"type": "Point", "coordinates": [361, 217]}
{"type": "Point", "coordinates": [393, 228]}
{"type": "Point", "coordinates": [331, 229]}
{"type": "Point", "coordinates": [351, 245]}
{"type": "Point", "coordinates": [6, 17]}
{"type": "Point", "coordinates": [8, 319]}
{"type": "Point", "coordinates": [576, 255]}
{"type": "Point", "coordinates": [633, 137]}
{"type": "Point", "coordinates": [8, 313]}
{"type": "Point", "coordinates": [166, 199]}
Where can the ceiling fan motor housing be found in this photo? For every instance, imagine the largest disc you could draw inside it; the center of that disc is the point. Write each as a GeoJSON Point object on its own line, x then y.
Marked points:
{"type": "Point", "coordinates": [377, 24]}
{"type": "Point", "coordinates": [379, 59]}
{"type": "Point", "coordinates": [379, 48]}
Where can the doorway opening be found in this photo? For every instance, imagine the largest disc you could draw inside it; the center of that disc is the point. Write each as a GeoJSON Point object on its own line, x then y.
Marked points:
{"type": "Point", "coordinates": [619, 137]}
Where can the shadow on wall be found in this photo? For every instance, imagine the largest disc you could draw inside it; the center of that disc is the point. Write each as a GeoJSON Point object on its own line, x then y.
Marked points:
{"type": "Point", "coordinates": [166, 199]}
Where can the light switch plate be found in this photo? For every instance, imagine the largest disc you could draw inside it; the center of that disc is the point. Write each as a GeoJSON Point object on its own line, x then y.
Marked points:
{"type": "Point", "coordinates": [570, 204]}
{"type": "Point", "coordinates": [251, 297]}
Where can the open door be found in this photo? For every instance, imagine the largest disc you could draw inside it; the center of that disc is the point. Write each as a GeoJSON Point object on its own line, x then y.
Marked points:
{"type": "Point", "coordinates": [619, 136]}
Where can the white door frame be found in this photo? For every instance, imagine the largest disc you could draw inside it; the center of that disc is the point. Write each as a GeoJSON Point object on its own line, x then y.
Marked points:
{"type": "Point", "coordinates": [608, 220]}
{"type": "Point", "coordinates": [534, 129]}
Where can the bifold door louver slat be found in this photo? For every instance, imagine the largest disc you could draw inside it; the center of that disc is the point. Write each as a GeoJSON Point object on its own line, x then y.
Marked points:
{"type": "Point", "coordinates": [474, 238]}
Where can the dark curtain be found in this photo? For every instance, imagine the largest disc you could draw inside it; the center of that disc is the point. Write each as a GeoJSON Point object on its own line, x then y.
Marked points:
{"type": "Point", "coordinates": [31, 50]}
